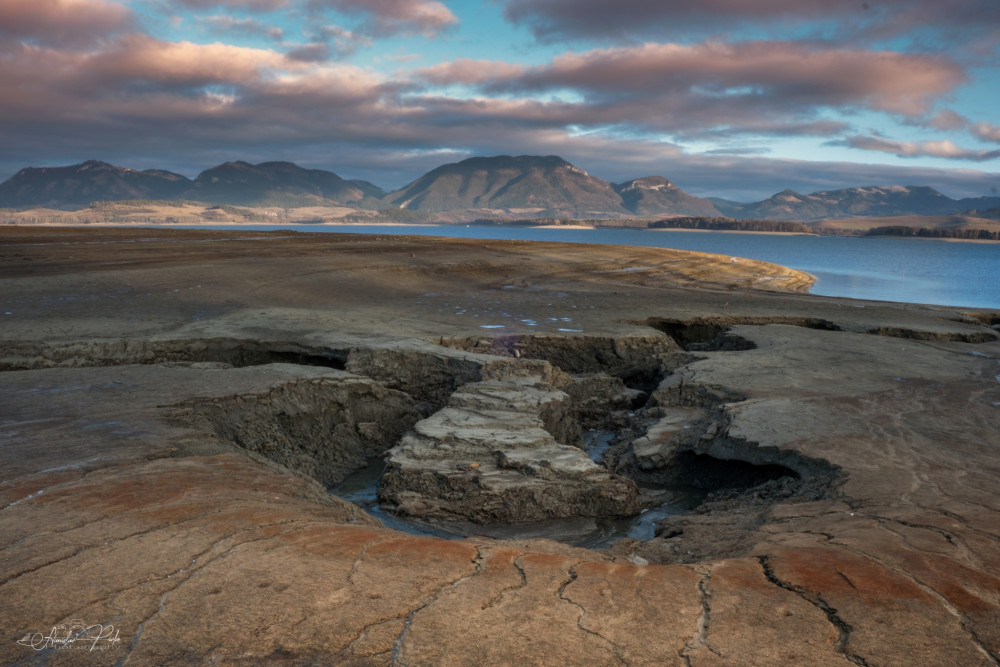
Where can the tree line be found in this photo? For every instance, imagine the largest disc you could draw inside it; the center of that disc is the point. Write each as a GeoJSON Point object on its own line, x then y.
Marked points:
{"type": "Point", "coordinates": [936, 233]}
{"type": "Point", "coordinates": [729, 224]}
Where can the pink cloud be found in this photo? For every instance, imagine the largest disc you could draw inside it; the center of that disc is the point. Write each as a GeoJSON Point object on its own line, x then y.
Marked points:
{"type": "Point", "coordinates": [248, 5]}
{"type": "Point", "coordinates": [466, 71]}
{"type": "Point", "coordinates": [941, 149]}
{"type": "Point", "coordinates": [887, 81]}
{"type": "Point", "coordinates": [986, 131]}
{"type": "Point", "coordinates": [63, 22]}
{"type": "Point", "coordinates": [146, 79]}
{"type": "Point", "coordinates": [386, 17]}
{"type": "Point", "coordinates": [713, 74]}
{"type": "Point", "coordinates": [242, 26]}
{"type": "Point", "coordinates": [946, 119]}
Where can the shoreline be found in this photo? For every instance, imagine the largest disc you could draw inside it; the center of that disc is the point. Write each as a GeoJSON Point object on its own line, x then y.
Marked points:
{"type": "Point", "coordinates": [333, 223]}
{"type": "Point", "coordinates": [942, 289]}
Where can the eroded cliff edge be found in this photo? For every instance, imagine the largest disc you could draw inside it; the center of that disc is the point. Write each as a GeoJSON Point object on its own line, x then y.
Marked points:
{"type": "Point", "coordinates": [172, 399]}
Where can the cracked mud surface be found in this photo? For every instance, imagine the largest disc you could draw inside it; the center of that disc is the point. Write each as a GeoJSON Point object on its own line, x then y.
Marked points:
{"type": "Point", "coordinates": [170, 400]}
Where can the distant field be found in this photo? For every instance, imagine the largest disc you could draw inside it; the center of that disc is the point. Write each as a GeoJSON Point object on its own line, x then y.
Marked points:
{"type": "Point", "coordinates": [180, 213]}
{"type": "Point", "coordinates": [915, 221]}
{"type": "Point", "coordinates": [142, 212]}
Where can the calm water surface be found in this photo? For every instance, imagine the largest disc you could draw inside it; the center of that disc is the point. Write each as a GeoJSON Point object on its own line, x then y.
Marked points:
{"type": "Point", "coordinates": [883, 269]}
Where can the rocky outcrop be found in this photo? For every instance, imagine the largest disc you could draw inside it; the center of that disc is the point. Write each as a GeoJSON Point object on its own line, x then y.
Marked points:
{"type": "Point", "coordinates": [502, 451]}
{"type": "Point", "coordinates": [429, 375]}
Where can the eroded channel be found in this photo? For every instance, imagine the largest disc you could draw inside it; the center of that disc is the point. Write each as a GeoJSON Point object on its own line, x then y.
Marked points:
{"type": "Point", "coordinates": [592, 441]}
{"type": "Point", "coordinates": [634, 419]}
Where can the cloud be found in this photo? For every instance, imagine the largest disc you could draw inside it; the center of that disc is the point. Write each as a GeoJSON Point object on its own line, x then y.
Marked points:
{"type": "Point", "coordinates": [68, 23]}
{"type": "Point", "coordinates": [715, 89]}
{"type": "Point", "coordinates": [471, 72]}
{"type": "Point", "coordinates": [986, 131]}
{"type": "Point", "coordinates": [379, 18]}
{"type": "Point", "coordinates": [940, 149]}
{"type": "Point", "coordinates": [116, 93]}
{"type": "Point", "coordinates": [246, 5]}
{"type": "Point", "coordinates": [143, 85]}
{"type": "Point", "coordinates": [946, 119]}
{"type": "Point", "coordinates": [315, 52]}
{"type": "Point", "coordinates": [243, 26]}
{"type": "Point", "coordinates": [343, 42]}
{"type": "Point", "coordinates": [793, 73]}
{"type": "Point", "coordinates": [959, 20]}
{"type": "Point", "coordinates": [739, 150]}
{"type": "Point", "coordinates": [389, 17]}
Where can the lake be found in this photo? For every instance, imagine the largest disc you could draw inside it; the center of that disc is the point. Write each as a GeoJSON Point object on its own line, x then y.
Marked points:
{"type": "Point", "coordinates": [878, 268]}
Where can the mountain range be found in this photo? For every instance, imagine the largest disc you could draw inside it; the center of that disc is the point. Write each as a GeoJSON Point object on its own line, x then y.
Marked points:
{"type": "Point", "coordinates": [502, 186]}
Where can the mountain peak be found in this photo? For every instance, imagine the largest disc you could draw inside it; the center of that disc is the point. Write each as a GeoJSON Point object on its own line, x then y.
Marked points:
{"type": "Point", "coordinates": [97, 164]}
{"type": "Point", "coordinates": [526, 184]}
{"type": "Point", "coordinates": [276, 183]}
{"type": "Point", "coordinates": [80, 184]}
{"type": "Point", "coordinates": [655, 195]}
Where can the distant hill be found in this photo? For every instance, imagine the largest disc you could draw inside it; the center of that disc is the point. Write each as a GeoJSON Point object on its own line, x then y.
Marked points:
{"type": "Point", "coordinates": [988, 214]}
{"type": "Point", "coordinates": [276, 184]}
{"type": "Point", "coordinates": [80, 184]}
{"type": "Point", "coordinates": [726, 207]}
{"type": "Point", "coordinates": [239, 183]}
{"type": "Point", "coordinates": [872, 201]}
{"type": "Point", "coordinates": [655, 195]}
{"type": "Point", "coordinates": [548, 185]}
{"type": "Point", "coordinates": [501, 188]}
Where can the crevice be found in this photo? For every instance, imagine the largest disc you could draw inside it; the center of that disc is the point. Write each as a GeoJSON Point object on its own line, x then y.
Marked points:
{"type": "Point", "coordinates": [114, 518]}
{"type": "Point", "coordinates": [194, 565]}
{"type": "Point", "coordinates": [397, 645]}
{"type": "Point", "coordinates": [700, 638]}
{"type": "Point", "coordinates": [190, 570]}
{"type": "Point", "coordinates": [963, 621]}
{"type": "Point", "coordinates": [235, 352]}
{"type": "Point", "coordinates": [345, 653]}
{"type": "Point", "coordinates": [359, 559]}
{"type": "Point", "coordinates": [713, 333]}
{"type": "Point", "coordinates": [939, 336]}
{"type": "Point", "coordinates": [982, 318]}
{"type": "Point", "coordinates": [561, 594]}
{"type": "Point", "coordinates": [962, 548]}
{"type": "Point", "coordinates": [640, 361]}
{"type": "Point", "coordinates": [324, 428]}
{"type": "Point", "coordinates": [518, 565]}
{"type": "Point", "coordinates": [844, 629]}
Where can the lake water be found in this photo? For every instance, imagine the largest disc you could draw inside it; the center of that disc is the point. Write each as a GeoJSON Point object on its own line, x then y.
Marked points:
{"type": "Point", "coordinates": [877, 268]}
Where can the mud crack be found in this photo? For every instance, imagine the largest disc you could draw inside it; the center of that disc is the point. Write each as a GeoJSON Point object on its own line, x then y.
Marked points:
{"type": "Point", "coordinates": [700, 638]}
{"type": "Point", "coordinates": [815, 599]}
{"type": "Point", "coordinates": [561, 593]}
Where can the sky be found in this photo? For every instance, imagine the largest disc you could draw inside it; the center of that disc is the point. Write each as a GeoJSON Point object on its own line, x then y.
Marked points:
{"type": "Point", "coordinates": [732, 98]}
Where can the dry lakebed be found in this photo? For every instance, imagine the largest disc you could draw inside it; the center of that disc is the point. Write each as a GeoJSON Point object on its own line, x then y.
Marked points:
{"type": "Point", "coordinates": [177, 406]}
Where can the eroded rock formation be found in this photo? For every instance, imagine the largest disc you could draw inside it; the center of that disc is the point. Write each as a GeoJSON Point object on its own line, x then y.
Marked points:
{"type": "Point", "coordinates": [500, 452]}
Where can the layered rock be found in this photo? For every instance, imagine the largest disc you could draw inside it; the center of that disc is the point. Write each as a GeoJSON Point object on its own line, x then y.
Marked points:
{"type": "Point", "coordinates": [499, 452]}
{"type": "Point", "coordinates": [324, 427]}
